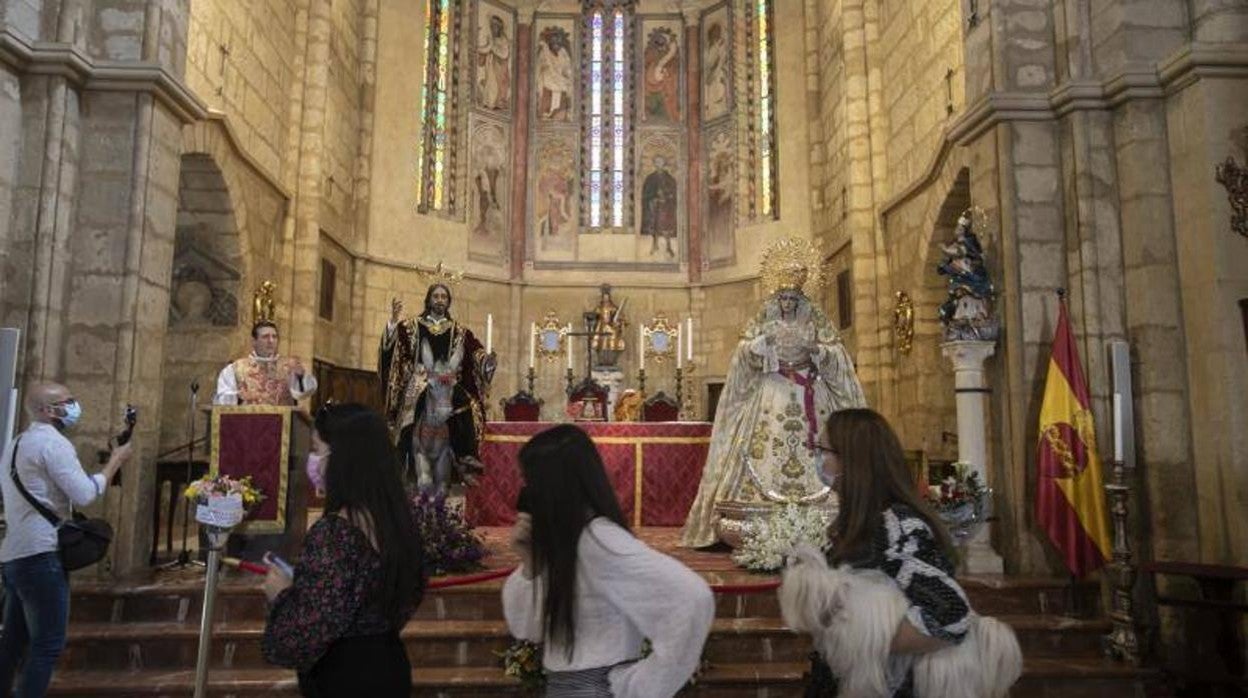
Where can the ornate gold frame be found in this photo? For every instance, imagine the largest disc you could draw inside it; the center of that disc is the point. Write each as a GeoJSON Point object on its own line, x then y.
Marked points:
{"type": "Point", "coordinates": [658, 325]}
{"type": "Point", "coordinates": [214, 464]}
{"type": "Point", "coordinates": [551, 323]}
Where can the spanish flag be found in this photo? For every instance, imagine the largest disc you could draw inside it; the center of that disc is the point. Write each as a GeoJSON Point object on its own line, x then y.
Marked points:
{"type": "Point", "coordinates": [1070, 502]}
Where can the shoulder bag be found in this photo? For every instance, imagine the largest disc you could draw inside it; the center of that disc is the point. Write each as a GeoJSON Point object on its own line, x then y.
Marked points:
{"type": "Point", "coordinates": [80, 541]}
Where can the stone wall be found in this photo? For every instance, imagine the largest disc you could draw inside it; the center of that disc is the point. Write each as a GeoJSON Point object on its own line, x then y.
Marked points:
{"type": "Point", "coordinates": [246, 74]}
{"type": "Point", "coordinates": [1078, 125]}
{"type": "Point", "coordinates": [921, 80]}
{"type": "Point", "coordinates": [343, 115]}
{"type": "Point", "coordinates": [90, 201]}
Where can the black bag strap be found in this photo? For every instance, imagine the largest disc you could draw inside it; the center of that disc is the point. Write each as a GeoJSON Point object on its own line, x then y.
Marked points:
{"type": "Point", "coordinates": [38, 505]}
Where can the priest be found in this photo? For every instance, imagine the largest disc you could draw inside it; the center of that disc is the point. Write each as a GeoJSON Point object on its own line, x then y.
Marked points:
{"type": "Point", "coordinates": [264, 377]}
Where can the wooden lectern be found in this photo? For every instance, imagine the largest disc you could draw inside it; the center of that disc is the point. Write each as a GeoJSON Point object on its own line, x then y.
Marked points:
{"type": "Point", "coordinates": [269, 443]}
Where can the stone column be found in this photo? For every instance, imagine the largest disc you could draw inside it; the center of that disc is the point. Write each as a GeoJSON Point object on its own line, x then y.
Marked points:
{"type": "Point", "coordinates": [968, 358]}
{"type": "Point", "coordinates": [304, 254]}
{"type": "Point", "coordinates": [693, 107]}
{"type": "Point", "coordinates": [520, 139]}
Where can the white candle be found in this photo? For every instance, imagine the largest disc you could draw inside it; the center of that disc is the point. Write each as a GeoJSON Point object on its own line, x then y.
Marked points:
{"type": "Point", "coordinates": [489, 332]}
{"type": "Point", "coordinates": [569, 346]}
{"type": "Point", "coordinates": [532, 340]}
{"type": "Point", "coordinates": [641, 346]}
{"type": "Point", "coordinates": [1118, 427]}
{"type": "Point", "coordinates": [679, 353]}
{"type": "Point", "coordinates": [689, 338]}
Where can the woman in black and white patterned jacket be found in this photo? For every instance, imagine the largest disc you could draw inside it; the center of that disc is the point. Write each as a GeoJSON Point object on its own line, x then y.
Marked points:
{"type": "Point", "coordinates": [883, 525]}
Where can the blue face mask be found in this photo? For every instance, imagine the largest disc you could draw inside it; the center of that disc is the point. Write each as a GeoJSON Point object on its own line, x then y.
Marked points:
{"type": "Point", "coordinates": [71, 412]}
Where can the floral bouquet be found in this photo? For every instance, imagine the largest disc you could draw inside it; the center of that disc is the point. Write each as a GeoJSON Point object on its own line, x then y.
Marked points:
{"type": "Point", "coordinates": [450, 544]}
{"type": "Point", "coordinates": [523, 660]}
{"type": "Point", "coordinates": [223, 500]}
{"type": "Point", "coordinates": [961, 501]}
{"type": "Point", "coordinates": [764, 548]}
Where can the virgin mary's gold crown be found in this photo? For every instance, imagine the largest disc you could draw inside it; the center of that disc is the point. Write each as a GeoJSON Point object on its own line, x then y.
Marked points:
{"type": "Point", "coordinates": [792, 264]}
{"type": "Point", "coordinates": [792, 277]}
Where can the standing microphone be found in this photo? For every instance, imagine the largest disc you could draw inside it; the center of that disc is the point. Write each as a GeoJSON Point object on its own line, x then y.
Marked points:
{"type": "Point", "coordinates": [194, 387]}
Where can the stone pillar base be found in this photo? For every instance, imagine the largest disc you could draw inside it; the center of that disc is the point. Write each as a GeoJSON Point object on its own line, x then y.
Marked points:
{"type": "Point", "coordinates": [978, 557]}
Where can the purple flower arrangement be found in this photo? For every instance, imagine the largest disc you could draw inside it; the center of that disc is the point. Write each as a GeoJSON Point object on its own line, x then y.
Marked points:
{"type": "Point", "coordinates": [450, 544]}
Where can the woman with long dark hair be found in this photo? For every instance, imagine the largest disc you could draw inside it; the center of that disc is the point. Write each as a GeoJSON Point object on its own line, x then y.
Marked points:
{"type": "Point", "coordinates": [361, 574]}
{"type": "Point", "coordinates": [884, 525]}
{"type": "Point", "coordinates": [591, 592]}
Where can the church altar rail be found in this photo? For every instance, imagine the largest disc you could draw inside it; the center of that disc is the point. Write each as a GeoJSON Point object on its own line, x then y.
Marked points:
{"type": "Point", "coordinates": [657, 465]}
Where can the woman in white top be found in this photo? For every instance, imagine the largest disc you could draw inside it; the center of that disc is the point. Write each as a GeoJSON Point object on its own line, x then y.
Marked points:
{"type": "Point", "coordinates": [589, 591]}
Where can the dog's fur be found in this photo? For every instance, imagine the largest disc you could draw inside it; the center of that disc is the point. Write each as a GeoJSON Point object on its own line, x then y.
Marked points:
{"type": "Point", "coordinates": [852, 616]}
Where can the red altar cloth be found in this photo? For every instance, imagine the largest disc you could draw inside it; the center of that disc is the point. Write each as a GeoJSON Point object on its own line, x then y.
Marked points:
{"type": "Point", "coordinates": [668, 456]}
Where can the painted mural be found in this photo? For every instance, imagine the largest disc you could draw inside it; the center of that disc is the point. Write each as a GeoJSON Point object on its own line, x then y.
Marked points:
{"type": "Point", "coordinates": [658, 200]}
{"type": "Point", "coordinates": [554, 75]}
{"type": "Point", "coordinates": [489, 188]}
{"type": "Point", "coordinates": [554, 190]}
{"type": "Point", "coordinates": [495, 32]}
{"type": "Point", "coordinates": [721, 184]}
{"type": "Point", "coordinates": [662, 66]}
{"type": "Point", "coordinates": [716, 33]}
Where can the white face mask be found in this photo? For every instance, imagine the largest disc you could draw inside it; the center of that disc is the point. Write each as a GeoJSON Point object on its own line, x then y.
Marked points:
{"type": "Point", "coordinates": [832, 480]}
{"type": "Point", "coordinates": [316, 469]}
{"type": "Point", "coordinates": [69, 414]}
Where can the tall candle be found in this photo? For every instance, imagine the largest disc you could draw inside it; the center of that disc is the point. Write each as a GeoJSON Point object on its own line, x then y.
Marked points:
{"type": "Point", "coordinates": [679, 353]}
{"type": "Point", "coordinates": [532, 340]}
{"type": "Point", "coordinates": [689, 338]}
{"type": "Point", "coordinates": [570, 346]}
{"type": "Point", "coordinates": [489, 333]}
{"type": "Point", "coordinates": [1118, 427]}
{"type": "Point", "coordinates": [641, 346]}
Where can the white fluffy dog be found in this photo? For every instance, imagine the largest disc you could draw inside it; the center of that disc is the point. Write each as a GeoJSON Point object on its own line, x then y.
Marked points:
{"type": "Point", "coordinates": [852, 616]}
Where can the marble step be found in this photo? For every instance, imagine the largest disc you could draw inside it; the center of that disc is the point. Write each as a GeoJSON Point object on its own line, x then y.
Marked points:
{"type": "Point", "coordinates": [237, 645]}
{"type": "Point", "coordinates": [1044, 678]}
{"type": "Point", "coordinates": [239, 599]}
{"type": "Point", "coordinates": [151, 646]}
{"type": "Point", "coordinates": [754, 680]}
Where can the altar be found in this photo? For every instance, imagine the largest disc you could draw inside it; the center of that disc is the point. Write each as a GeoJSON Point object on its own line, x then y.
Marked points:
{"type": "Point", "coordinates": [655, 468]}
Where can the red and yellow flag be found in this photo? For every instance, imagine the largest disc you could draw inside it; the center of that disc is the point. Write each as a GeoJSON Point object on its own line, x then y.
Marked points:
{"type": "Point", "coordinates": [1070, 502]}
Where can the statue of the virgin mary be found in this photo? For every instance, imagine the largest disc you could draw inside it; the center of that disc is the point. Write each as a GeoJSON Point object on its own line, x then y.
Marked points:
{"type": "Point", "coordinates": [787, 374]}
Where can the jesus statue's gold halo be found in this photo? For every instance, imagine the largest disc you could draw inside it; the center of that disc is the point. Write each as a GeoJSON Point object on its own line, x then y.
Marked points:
{"type": "Point", "coordinates": [792, 264]}
{"type": "Point", "coordinates": [442, 274]}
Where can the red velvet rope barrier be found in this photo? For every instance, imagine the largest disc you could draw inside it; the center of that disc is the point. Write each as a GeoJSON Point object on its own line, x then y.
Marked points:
{"type": "Point", "coordinates": [490, 575]}
{"type": "Point", "coordinates": [445, 582]}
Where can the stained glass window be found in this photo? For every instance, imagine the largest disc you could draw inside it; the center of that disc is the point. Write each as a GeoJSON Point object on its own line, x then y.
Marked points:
{"type": "Point", "coordinates": [432, 148]}
{"type": "Point", "coordinates": [766, 109]}
{"type": "Point", "coordinates": [606, 127]}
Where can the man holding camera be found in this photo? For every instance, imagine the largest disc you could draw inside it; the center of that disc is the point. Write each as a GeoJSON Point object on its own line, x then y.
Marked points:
{"type": "Point", "coordinates": [36, 585]}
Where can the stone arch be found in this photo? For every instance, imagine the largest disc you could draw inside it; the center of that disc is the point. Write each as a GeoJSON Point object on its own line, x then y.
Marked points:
{"type": "Point", "coordinates": [924, 388]}
{"type": "Point", "coordinates": [208, 299]}
{"type": "Point", "coordinates": [941, 422]}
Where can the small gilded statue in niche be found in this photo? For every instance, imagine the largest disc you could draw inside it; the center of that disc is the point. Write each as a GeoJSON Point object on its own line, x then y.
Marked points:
{"type": "Point", "coordinates": [263, 305]}
{"type": "Point", "coordinates": [609, 324]}
{"type": "Point", "coordinates": [967, 312]}
{"type": "Point", "coordinates": [903, 322]}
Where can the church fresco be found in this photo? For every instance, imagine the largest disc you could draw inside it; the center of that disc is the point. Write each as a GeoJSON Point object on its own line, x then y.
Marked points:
{"type": "Point", "coordinates": [720, 204]}
{"type": "Point", "coordinates": [716, 33]}
{"type": "Point", "coordinates": [554, 72]}
{"type": "Point", "coordinates": [489, 188]}
{"type": "Point", "coordinates": [659, 200]}
{"type": "Point", "coordinates": [494, 32]}
{"type": "Point", "coordinates": [662, 65]}
{"type": "Point", "coordinates": [554, 203]}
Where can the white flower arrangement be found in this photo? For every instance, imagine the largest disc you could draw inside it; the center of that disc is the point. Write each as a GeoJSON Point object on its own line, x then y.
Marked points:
{"type": "Point", "coordinates": [765, 548]}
